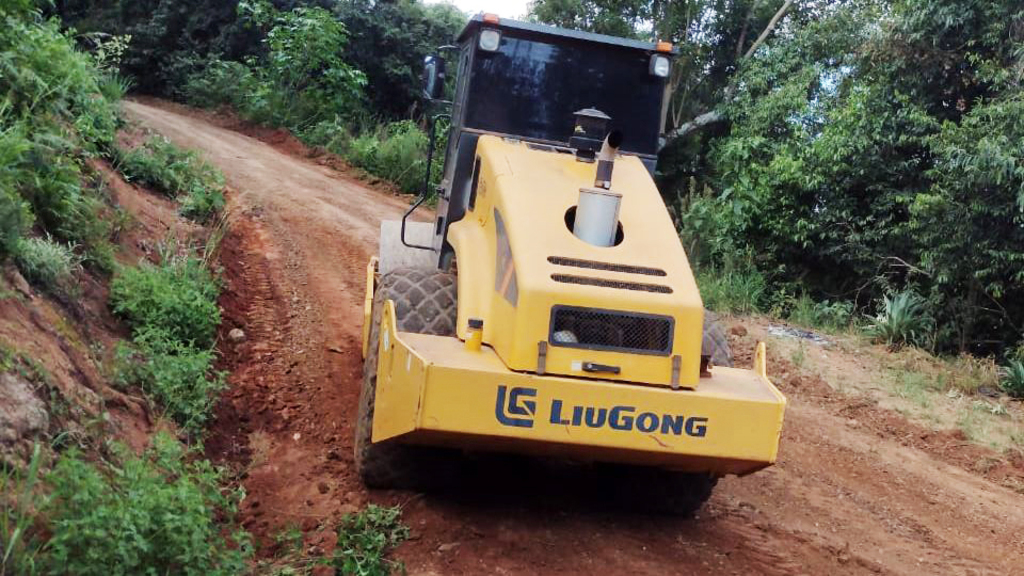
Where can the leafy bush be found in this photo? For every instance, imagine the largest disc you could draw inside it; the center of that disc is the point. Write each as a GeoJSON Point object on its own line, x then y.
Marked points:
{"type": "Point", "coordinates": [42, 73]}
{"type": "Point", "coordinates": [365, 538]}
{"type": "Point", "coordinates": [733, 290]}
{"type": "Point", "coordinates": [63, 200]}
{"type": "Point", "coordinates": [825, 314]}
{"type": "Point", "coordinates": [333, 135]}
{"type": "Point", "coordinates": [178, 375]}
{"type": "Point", "coordinates": [902, 320]}
{"type": "Point", "coordinates": [1012, 381]}
{"type": "Point", "coordinates": [402, 156]}
{"type": "Point", "coordinates": [175, 172]}
{"type": "Point", "coordinates": [154, 514]}
{"type": "Point", "coordinates": [396, 152]}
{"type": "Point", "coordinates": [202, 203]}
{"type": "Point", "coordinates": [173, 312]}
{"type": "Point", "coordinates": [46, 263]}
{"type": "Point", "coordinates": [220, 82]}
{"type": "Point", "coordinates": [58, 109]}
{"type": "Point", "coordinates": [177, 298]}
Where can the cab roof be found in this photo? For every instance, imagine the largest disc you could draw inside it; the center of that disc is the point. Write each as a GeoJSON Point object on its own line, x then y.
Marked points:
{"type": "Point", "coordinates": [477, 21]}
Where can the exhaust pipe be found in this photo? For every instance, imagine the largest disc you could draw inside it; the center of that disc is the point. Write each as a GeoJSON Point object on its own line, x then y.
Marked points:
{"type": "Point", "coordinates": [606, 160]}
{"type": "Point", "coordinates": [597, 213]}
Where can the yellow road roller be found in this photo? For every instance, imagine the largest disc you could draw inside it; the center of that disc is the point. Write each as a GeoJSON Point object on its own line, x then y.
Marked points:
{"type": "Point", "coordinates": [549, 308]}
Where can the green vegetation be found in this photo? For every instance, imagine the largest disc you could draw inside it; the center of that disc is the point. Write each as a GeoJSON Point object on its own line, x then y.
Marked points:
{"type": "Point", "coordinates": [158, 513]}
{"type": "Point", "coordinates": [827, 315]}
{"type": "Point", "coordinates": [58, 110]}
{"type": "Point", "coordinates": [732, 289]}
{"type": "Point", "coordinates": [860, 161]}
{"type": "Point", "coordinates": [395, 152]}
{"type": "Point", "coordinates": [1012, 381]}
{"type": "Point", "coordinates": [178, 297]}
{"type": "Point", "coordinates": [178, 174]}
{"type": "Point", "coordinates": [18, 551]}
{"type": "Point", "coordinates": [916, 387]}
{"type": "Point", "coordinates": [365, 538]}
{"type": "Point", "coordinates": [341, 75]}
{"type": "Point", "coordinates": [108, 511]}
{"type": "Point", "coordinates": [172, 310]}
{"type": "Point", "coordinates": [846, 152]}
{"type": "Point", "coordinates": [46, 263]}
{"type": "Point", "coordinates": [303, 84]}
{"type": "Point", "coordinates": [903, 319]}
{"type": "Point", "coordinates": [155, 513]}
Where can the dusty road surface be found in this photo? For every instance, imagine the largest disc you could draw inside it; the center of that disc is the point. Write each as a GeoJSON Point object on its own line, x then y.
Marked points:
{"type": "Point", "coordinates": [857, 490]}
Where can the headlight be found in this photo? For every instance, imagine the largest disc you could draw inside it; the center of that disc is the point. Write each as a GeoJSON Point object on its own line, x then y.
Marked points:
{"type": "Point", "coordinates": [660, 66]}
{"type": "Point", "coordinates": [489, 39]}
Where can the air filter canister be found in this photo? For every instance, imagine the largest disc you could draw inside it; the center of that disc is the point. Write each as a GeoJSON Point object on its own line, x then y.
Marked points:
{"type": "Point", "coordinates": [597, 216]}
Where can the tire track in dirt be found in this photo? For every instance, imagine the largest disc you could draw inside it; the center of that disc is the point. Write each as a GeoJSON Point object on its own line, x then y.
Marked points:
{"type": "Point", "coordinates": [842, 499]}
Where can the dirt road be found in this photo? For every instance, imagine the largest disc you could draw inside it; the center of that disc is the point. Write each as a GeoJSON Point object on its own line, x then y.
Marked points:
{"type": "Point", "coordinates": [856, 490]}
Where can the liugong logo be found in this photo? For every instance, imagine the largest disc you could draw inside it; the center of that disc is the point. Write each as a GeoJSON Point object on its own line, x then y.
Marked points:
{"type": "Point", "coordinates": [512, 408]}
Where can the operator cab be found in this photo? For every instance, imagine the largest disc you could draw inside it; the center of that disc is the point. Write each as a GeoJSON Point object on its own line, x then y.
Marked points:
{"type": "Point", "coordinates": [540, 85]}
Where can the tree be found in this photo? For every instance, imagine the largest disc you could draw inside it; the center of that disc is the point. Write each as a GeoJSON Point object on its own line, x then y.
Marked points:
{"type": "Point", "coordinates": [713, 37]}
{"type": "Point", "coordinates": [388, 41]}
{"type": "Point", "coordinates": [877, 150]}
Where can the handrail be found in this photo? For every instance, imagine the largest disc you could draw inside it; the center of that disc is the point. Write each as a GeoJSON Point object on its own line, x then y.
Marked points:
{"type": "Point", "coordinates": [426, 180]}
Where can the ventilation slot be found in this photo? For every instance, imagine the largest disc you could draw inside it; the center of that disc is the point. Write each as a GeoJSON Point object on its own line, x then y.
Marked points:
{"type": "Point", "coordinates": [592, 265]}
{"type": "Point", "coordinates": [596, 329]}
{"type": "Point", "coordinates": [587, 281]}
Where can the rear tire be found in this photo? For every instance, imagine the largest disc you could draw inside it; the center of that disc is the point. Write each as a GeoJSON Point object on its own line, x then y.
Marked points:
{"type": "Point", "coordinates": [425, 303]}
{"type": "Point", "coordinates": [657, 491]}
{"type": "Point", "coordinates": [714, 343]}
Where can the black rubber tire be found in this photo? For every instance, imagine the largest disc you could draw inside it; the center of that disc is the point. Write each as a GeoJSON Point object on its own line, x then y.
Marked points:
{"type": "Point", "coordinates": [664, 492]}
{"type": "Point", "coordinates": [714, 342]}
{"type": "Point", "coordinates": [425, 303]}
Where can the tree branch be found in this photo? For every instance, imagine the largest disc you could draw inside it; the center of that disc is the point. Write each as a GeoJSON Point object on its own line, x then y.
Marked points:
{"type": "Point", "coordinates": [715, 116]}
{"type": "Point", "coordinates": [746, 26]}
{"type": "Point", "coordinates": [698, 123]}
{"type": "Point", "coordinates": [768, 29]}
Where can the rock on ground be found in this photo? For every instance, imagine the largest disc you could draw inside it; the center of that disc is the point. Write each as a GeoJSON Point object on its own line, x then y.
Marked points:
{"type": "Point", "coordinates": [22, 414]}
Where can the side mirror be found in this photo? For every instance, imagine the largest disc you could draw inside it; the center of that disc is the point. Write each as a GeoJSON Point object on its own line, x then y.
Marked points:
{"type": "Point", "coordinates": [433, 77]}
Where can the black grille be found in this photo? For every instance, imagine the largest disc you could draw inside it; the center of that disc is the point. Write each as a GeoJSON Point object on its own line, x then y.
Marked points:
{"type": "Point", "coordinates": [594, 265]}
{"type": "Point", "coordinates": [596, 329]}
{"type": "Point", "coordinates": [604, 283]}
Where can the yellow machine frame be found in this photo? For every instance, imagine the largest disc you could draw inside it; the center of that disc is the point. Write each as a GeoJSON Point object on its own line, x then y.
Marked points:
{"type": "Point", "coordinates": [523, 392]}
{"type": "Point", "coordinates": [433, 390]}
{"type": "Point", "coordinates": [531, 191]}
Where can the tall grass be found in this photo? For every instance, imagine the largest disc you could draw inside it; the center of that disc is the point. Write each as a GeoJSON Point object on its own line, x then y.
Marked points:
{"type": "Point", "coordinates": [18, 550]}
{"type": "Point", "coordinates": [826, 314]}
{"type": "Point", "coordinates": [46, 263]}
{"type": "Point", "coordinates": [395, 152]}
{"type": "Point", "coordinates": [733, 290]}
